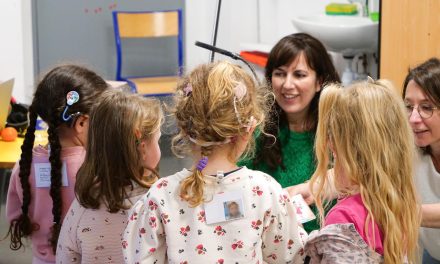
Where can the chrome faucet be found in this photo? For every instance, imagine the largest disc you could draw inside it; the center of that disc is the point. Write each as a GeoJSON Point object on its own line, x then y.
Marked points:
{"type": "Point", "coordinates": [363, 5]}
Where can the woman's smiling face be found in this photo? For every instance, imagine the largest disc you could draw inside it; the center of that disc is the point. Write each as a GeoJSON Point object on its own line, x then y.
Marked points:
{"type": "Point", "coordinates": [426, 130]}
{"type": "Point", "coordinates": [294, 86]}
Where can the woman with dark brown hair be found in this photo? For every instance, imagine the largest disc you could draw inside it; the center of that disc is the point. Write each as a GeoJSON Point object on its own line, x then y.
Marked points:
{"type": "Point", "coordinates": [297, 68]}
{"type": "Point", "coordinates": [421, 92]}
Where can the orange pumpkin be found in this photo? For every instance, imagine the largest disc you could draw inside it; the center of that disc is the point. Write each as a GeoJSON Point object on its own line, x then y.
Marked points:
{"type": "Point", "coordinates": [9, 134]}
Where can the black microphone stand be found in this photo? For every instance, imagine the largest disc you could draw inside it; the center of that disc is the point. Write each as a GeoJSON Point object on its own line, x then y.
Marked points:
{"type": "Point", "coordinates": [214, 49]}
{"type": "Point", "coordinates": [217, 19]}
{"type": "Point", "coordinates": [230, 54]}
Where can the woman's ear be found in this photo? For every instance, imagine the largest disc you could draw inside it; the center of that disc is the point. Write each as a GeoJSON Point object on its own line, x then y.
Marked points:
{"type": "Point", "coordinates": [319, 83]}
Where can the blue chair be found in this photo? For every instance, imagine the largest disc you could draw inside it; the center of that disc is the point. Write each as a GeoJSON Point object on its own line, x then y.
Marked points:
{"type": "Point", "coordinates": [148, 25]}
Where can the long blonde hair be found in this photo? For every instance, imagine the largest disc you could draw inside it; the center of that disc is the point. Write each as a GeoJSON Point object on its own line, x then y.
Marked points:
{"type": "Point", "coordinates": [113, 161]}
{"type": "Point", "coordinates": [207, 109]}
{"type": "Point", "coordinates": [365, 126]}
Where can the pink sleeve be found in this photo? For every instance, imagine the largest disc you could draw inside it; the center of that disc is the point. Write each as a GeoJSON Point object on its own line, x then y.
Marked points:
{"type": "Point", "coordinates": [340, 215]}
{"type": "Point", "coordinates": [14, 197]}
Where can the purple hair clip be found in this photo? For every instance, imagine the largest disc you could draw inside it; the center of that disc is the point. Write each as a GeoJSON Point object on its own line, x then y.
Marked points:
{"type": "Point", "coordinates": [202, 163]}
{"type": "Point", "coordinates": [188, 89]}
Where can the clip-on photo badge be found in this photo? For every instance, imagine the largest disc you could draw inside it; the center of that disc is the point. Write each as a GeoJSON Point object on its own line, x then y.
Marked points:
{"type": "Point", "coordinates": [225, 206]}
{"type": "Point", "coordinates": [303, 212]}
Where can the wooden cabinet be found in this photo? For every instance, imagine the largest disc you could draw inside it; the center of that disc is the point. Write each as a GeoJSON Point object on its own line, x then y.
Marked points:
{"type": "Point", "coordinates": [409, 35]}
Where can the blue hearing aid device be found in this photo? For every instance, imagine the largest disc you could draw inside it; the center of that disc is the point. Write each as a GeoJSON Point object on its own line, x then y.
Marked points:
{"type": "Point", "coordinates": [72, 98]}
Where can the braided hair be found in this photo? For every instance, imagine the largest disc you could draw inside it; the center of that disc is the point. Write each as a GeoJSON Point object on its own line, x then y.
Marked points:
{"type": "Point", "coordinates": [49, 103]}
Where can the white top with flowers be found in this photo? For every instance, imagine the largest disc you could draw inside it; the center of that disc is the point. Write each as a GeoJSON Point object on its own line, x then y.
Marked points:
{"type": "Point", "coordinates": [163, 228]}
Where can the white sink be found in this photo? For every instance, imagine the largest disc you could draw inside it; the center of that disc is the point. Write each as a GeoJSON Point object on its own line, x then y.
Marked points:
{"type": "Point", "coordinates": [348, 35]}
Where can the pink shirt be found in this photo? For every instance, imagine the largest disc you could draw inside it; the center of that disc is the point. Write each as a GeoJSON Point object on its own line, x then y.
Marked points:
{"type": "Point", "coordinates": [40, 209]}
{"type": "Point", "coordinates": [352, 210]}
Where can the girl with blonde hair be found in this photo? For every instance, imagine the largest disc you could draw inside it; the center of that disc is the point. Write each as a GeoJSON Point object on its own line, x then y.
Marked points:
{"type": "Point", "coordinates": [364, 133]}
{"type": "Point", "coordinates": [182, 217]}
{"type": "Point", "coordinates": [119, 167]}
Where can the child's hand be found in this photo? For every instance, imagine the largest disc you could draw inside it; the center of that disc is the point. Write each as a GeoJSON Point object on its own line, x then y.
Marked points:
{"type": "Point", "coordinates": [304, 190]}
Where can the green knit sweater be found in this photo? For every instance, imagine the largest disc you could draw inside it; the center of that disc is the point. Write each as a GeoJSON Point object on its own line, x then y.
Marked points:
{"type": "Point", "coordinates": [298, 159]}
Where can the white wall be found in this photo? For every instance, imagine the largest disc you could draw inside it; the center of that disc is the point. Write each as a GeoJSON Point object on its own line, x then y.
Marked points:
{"type": "Point", "coordinates": [249, 21]}
{"type": "Point", "coordinates": [16, 56]}
{"type": "Point", "coordinates": [238, 23]}
{"type": "Point", "coordinates": [243, 22]}
{"type": "Point", "coordinates": [276, 16]}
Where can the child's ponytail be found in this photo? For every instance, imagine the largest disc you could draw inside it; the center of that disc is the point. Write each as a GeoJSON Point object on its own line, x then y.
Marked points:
{"type": "Point", "coordinates": [191, 188]}
{"type": "Point", "coordinates": [22, 226]}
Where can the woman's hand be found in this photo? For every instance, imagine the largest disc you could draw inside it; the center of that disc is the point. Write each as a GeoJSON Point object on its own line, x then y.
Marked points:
{"type": "Point", "coordinates": [304, 190]}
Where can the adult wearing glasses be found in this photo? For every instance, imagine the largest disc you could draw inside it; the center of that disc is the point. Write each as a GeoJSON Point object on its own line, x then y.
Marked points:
{"type": "Point", "coordinates": [422, 99]}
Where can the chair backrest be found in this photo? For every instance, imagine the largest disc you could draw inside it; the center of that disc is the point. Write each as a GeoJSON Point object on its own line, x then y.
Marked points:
{"type": "Point", "coordinates": [154, 24]}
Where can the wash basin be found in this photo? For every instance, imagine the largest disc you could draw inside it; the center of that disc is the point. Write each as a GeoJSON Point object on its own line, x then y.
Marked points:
{"type": "Point", "coordinates": [348, 35]}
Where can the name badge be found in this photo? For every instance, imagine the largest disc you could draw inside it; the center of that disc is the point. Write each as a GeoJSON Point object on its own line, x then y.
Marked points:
{"type": "Point", "coordinates": [42, 175]}
{"type": "Point", "coordinates": [225, 206]}
{"type": "Point", "coordinates": [303, 212]}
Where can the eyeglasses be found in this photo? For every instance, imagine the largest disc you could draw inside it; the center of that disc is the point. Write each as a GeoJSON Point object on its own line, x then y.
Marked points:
{"type": "Point", "coordinates": [425, 111]}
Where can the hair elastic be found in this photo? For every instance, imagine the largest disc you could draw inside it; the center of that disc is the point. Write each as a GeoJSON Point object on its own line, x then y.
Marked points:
{"type": "Point", "coordinates": [202, 163]}
{"type": "Point", "coordinates": [72, 98]}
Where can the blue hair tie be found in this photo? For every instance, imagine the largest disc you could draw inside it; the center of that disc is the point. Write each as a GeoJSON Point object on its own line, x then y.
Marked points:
{"type": "Point", "coordinates": [202, 163]}
{"type": "Point", "coordinates": [72, 98]}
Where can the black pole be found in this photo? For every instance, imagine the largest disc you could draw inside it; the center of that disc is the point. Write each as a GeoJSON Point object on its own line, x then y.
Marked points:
{"type": "Point", "coordinates": [214, 37]}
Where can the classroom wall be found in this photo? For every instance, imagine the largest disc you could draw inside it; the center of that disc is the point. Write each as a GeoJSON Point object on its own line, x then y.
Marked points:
{"type": "Point", "coordinates": [16, 54]}
{"type": "Point", "coordinates": [246, 21]}
{"type": "Point", "coordinates": [238, 23]}
{"type": "Point", "coordinates": [276, 22]}
{"type": "Point", "coordinates": [250, 21]}
{"type": "Point", "coordinates": [276, 16]}
{"type": "Point", "coordinates": [81, 31]}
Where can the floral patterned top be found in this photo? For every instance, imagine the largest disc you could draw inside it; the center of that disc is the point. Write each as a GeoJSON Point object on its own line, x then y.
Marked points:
{"type": "Point", "coordinates": [94, 236]}
{"type": "Point", "coordinates": [163, 228]}
{"type": "Point", "coordinates": [340, 243]}
{"type": "Point", "coordinates": [299, 163]}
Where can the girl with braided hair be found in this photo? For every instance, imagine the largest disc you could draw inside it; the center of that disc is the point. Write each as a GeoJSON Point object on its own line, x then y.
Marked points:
{"type": "Point", "coordinates": [42, 183]}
